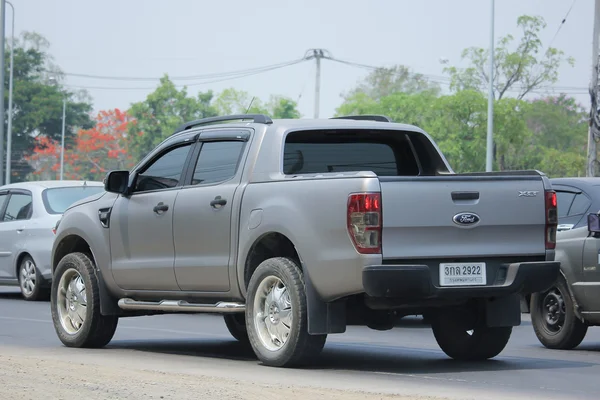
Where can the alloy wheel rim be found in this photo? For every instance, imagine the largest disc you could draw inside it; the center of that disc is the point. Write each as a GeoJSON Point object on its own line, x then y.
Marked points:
{"type": "Point", "coordinates": [554, 310]}
{"type": "Point", "coordinates": [27, 277]}
{"type": "Point", "coordinates": [71, 301]}
{"type": "Point", "coordinates": [273, 315]}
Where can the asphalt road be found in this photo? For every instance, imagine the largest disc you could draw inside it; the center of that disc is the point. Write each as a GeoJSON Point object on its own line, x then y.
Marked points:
{"type": "Point", "coordinates": [404, 361]}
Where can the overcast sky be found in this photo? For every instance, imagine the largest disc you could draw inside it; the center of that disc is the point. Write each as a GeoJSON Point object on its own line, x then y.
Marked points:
{"type": "Point", "coordinates": [147, 38]}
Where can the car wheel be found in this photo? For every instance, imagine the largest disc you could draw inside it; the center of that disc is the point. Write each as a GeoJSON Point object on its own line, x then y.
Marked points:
{"type": "Point", "coordinates": [236, 324]}
{"type": "Point", "coordinates": [75, 304]}
{"type": "Point", "coordinates": [472, 341]}
{"type": "Point", "coordinates": [553, 318]}
{"type": "Point", "coordinates": [31, 281]}
{"type": "Point", "coordinates": [276, 315]}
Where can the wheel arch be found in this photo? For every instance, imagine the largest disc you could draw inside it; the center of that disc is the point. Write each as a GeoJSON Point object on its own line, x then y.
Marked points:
{"type": "Point", "coordinates": [323, 318]}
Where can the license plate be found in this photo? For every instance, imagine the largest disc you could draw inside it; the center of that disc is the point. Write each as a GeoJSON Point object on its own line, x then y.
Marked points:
{"type": "Point", "coordinates": [462, 274]}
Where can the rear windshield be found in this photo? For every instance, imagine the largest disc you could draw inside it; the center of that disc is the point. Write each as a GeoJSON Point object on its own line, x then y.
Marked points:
{"type": "Point", "coordinates": [57, 200]}
{"type": "Point", "coordinates": [386, 153]}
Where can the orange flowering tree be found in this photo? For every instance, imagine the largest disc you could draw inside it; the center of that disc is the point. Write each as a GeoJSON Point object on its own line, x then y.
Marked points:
{"type": "Point", "coordinates": [95, 151]}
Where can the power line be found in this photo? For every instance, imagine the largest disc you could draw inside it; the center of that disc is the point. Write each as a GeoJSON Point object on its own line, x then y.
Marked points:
{"type": "Point", "coordinates": [562, 23]}
{"type": "Point", "coordinates": [232, 77]}
{"type": "Point", "coordinates": [185, 78]}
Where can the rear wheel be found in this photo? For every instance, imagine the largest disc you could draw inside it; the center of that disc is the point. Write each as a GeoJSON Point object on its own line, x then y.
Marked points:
{"type": "Point", "coordinates": [75, 304]}
{"type": "Point", "coordinates": [553, 318]}
{"type": "Point", "coordinates": [31, 281]}
{"type": "Point", "coordinates": [276, 315]}
{"type": "Point", "coordinates": [468, 340]}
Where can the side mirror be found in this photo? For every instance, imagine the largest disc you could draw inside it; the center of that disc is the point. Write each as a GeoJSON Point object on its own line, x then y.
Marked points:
{"type": "Point", "coordinates": [117, 182]}
{"type": "Point", "coordinates": [593, 221]}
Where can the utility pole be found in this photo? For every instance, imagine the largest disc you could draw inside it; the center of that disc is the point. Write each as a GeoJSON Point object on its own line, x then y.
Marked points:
{"type": "Point", "coordinates": [594, 125]}
{"type": "Point", "coordinates": [2, 23]}
{"type": "Point", "coordinates": [489, 158]}
{"type": "Point", "coordinates": [62, 140]}
{"type": "Point", "coordinates": [317, 54]}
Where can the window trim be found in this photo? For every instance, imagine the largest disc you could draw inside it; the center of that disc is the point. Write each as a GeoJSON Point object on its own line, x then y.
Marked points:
{"type": "Point", "coordinates": [10, 192]}
{"type": "Point", "coordinates": [217, 135]}
{"type": "Point", "coordinates": [155, 157]}
{"type": "Point", "coordinates": [3, 207]}
{"type": "Point", "coordinates": [573, 202]}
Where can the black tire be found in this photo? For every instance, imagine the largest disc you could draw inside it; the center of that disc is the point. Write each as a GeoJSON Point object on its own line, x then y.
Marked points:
{"type": "Point", "coordinates": [39, 292]}
{"type": "Point", "coordinates": [236, 324]}
{"type": "Point", "coordinates": [300, 348]}
{"type": "Point", "coordinates": [562, 331]}
{"type": "Point", "coordinates": [97, 330]}
{"type": "Point", "coordinates": [454, 340]}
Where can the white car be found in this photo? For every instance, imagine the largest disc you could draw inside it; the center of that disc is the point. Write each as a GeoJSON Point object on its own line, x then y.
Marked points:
{"type": "Point", "coordinates": [29, 212]}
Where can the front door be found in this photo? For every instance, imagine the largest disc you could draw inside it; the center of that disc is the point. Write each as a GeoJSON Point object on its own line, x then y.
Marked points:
{"type": "Point", "coordinates": [141, 225]}
{"type": "Point", "coordinates": [203, 215]}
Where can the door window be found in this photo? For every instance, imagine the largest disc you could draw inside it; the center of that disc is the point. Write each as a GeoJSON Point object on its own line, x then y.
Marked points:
{"type": "Point", "coordinates": [564, 200]}
{"type": "Point", "coordinates": [218, 162]}
{"type": "Point", "coordinates": [580, 205]}
{"type": "Point", "coordinates": [3, 197]}
{"type": "Point", "coordinates": [165, 172]}
{"type": "Point", "coordinates": [18, 208]}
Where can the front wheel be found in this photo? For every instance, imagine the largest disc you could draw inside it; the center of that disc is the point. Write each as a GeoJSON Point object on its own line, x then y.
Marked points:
{"type": "Point", "coordinates": [471, 341]}
{"type": "Point", "coordinates": [276, 315]}
{"type": "Point", "coordinates": [75, 304]}
{"type": "Point", "coordinates": [31, 281]}
{"type": "Point", "coordinates": [553, 318]}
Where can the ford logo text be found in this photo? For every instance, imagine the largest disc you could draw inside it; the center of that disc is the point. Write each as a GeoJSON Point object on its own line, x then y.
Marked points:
{"type": "Point", "coordinates": [466, 219]}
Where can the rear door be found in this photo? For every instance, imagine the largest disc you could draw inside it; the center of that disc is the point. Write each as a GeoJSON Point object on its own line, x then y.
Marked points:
{"type": "Point", "coordinates": [17, 212]}
{"type": "Point", "coordinates": [204, 212]}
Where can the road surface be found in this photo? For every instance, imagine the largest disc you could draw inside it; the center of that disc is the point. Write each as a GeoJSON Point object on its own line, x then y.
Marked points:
{"type": "Point", "coordinates": [194, 357]}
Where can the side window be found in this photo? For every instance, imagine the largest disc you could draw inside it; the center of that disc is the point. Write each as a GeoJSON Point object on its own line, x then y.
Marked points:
{"type": "Point", "coordinates": [19, 207]}
{"type": "Point", "coordinates": [218, 162]}
{"type": "Point", "coordinates": [564, 200]}
{"type": "Point", "coordinates": [580, 205]}
{"type": "Point", "coordinates": [3, 197]}
{"type": "Point", "coordinates": [165, 172]}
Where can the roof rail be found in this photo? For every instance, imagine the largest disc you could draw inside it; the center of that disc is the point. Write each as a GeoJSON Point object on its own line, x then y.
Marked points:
{"type": "Point", "coordinates": [378, 118]}
{"type": "Point", "coordinates": [257, 119]}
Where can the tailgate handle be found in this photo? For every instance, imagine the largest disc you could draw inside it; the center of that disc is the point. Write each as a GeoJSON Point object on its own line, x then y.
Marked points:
{"type": "Point", "coordinates": [457, 196]}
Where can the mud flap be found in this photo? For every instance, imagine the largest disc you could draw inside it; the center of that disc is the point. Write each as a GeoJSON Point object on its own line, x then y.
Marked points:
{"type": "Point", "coordinates": [503, 311]}
{"type": "Point", "coordinates": [323, 318]}
{"type": "Point", "coordinates": [107, 304]}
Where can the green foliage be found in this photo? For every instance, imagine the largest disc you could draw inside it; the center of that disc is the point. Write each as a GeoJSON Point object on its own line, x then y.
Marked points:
{"type": "Point", "coordinates": [38, 102]}
{"type": "Point", "coordinates": [546, 134]}
{"type": "Point", "coordinates": [164, 110]}
{"type": "Point", "coordinates": [521, 69]}
{"type": "Point", "coordinates": [232, 101]}
{"type": "Point", "coordinates": [383, 82]}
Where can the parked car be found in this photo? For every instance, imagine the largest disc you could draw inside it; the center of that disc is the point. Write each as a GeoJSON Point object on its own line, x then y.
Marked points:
{"type": "Point", "coordinates": [294, 229]}
{"type": "Point", "coordinates": [28, 214]}
{"type": "Point", "coordinates": [561, 315]}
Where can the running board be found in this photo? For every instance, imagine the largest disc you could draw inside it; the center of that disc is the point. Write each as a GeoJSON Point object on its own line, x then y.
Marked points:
{"type": "Point", "coordinates": [181, 306]}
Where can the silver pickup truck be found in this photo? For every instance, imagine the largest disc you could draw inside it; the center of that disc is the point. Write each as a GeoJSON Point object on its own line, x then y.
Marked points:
{"type": "Point", "coordinates": [296, 229]}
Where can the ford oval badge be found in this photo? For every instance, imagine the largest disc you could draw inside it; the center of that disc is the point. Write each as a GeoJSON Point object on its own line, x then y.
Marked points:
{"type": "Point", "coordinates": [466, 219]}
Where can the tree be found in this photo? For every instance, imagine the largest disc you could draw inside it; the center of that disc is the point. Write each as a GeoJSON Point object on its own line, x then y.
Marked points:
{"type": "Point", "coordinates": [232, 101]}
{"type": "Point", "coordinates": [37, 102]}
{"type": "Point", "coordinates": [546, 134]}
{"type": "Point", "coordinates": [522, 70]}
{"type": "Point", "coordinates": [383, 82]}
{"type": "Point", "coordinates": [96, 151]}
{"type": "Point", "coordinates": [164, 110]}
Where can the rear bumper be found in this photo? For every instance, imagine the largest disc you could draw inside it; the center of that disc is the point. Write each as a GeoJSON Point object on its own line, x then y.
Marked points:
{"type": "Point", "coordinates": [420, 282]}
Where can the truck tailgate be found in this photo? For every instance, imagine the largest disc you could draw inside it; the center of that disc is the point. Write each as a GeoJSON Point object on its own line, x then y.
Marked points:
{"type": "Point", "coordinates": [466, 215]}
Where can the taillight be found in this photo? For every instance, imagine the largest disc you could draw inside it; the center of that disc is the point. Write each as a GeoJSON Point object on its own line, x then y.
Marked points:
{"type": "Point", "coordinates": [364, 222]}
{"type": "Point", "coordinates": [551, 219]}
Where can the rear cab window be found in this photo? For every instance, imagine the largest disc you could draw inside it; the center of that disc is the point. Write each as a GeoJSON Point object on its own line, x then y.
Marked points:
{"type": "Point", "coordinates": [57, 200]}
{"type": "Point", "coordinates": [384, 152]}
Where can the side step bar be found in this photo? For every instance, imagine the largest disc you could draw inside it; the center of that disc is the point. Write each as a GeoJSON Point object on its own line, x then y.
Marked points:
{"type": "Point", "coordinates": [181, 306]}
